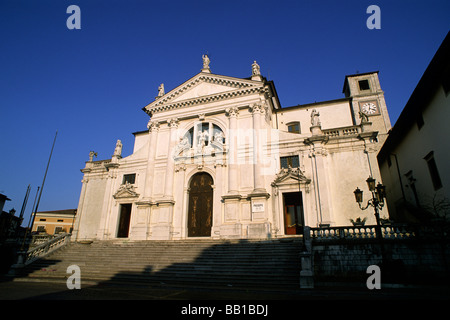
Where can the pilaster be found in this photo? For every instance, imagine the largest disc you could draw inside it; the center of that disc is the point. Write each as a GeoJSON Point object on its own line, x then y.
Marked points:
{"type": "Point", "coordinates": [153, 127]}
{"type": "Point", "coordinates": [168, 186]}
{"type": "Point", "coordinates": [322, 187]}
{"type": "Point", "coordinates": [232, 114]}
{"type": "Point", "coordinates": [258, 179]}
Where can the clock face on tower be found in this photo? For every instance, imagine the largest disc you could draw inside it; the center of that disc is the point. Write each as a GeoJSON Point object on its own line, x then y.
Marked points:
{"type": "Point", "coordinates": [369, 108]}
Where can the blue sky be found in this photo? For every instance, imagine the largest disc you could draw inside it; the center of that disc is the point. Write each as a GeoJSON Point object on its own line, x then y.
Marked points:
{"type": "Point", "coordinates": [91, 84]}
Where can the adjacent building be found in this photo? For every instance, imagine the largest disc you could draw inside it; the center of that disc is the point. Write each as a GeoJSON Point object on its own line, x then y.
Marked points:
{"type": "Point", "coordinates": [415, 159]}
{"type": "Point", "coordinates": [54, 222]}
{"type": "Point", "coordinates": [221, 158]}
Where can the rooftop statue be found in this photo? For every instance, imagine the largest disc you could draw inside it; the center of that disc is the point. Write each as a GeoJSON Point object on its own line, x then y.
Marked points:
{"type": "Point", "coordinates": [256, 70]}
{"type": "Point", "coordinates": [206, 61]}
{"type": "Point", "coordinates": [161, 90]}
{"type": "Point", "coordinates": [315, 121]}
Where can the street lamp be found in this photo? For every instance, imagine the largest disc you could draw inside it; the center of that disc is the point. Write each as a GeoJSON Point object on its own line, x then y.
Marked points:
{"type": "Point", "coordinates": [377, 201]}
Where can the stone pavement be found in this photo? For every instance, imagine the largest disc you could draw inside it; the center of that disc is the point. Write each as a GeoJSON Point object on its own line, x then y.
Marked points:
{"type": "Point", "coordinates": [175, 302]}
{"type": "Point", "coordinates": [35, 290]}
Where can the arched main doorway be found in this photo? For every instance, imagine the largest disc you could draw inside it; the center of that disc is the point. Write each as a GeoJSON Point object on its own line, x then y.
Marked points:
{"type": "Point", "coordinates": [200, 205]}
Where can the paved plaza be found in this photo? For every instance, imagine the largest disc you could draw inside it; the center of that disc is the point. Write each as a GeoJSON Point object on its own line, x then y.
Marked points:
{"type": "Point", "coordinates": [34, 290]}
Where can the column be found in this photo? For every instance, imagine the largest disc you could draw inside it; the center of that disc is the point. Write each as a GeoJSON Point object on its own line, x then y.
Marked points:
{"type": "Point", "coordinates": [210, 134]}
{"type": "Point", "coordinates": [232, 114]}
{"type": "Point", "coordinates": [168, 187]}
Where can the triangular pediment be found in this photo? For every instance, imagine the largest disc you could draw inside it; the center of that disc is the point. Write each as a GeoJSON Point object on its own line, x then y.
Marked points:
{"type": "Point", "coordinates": [289, 176]}
{"type": "Point", "coordinates": [125, 191]}
{"type": "Point", "coordinates": [204, 87]}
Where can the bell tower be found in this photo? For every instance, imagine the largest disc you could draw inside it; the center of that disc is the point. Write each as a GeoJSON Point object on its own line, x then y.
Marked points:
{"type": "Point", "coordinates": [367, 97]}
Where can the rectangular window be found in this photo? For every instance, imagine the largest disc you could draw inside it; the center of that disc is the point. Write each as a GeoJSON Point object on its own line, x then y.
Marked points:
{"type": "Point", "coordinates": [58, 230]}
{"type": "Point", "coordinates": [42, 219]}
{"type": "Point", "coordinates": [364, 84]}
{"type": "Point", "coordinates": [294, 127]}
{"type": "Point", "coordinates": [434, 173]}
{"type": "Point", "coordinates": [289, 161]}
{"type": "Point", "coordinates": [129, 178]}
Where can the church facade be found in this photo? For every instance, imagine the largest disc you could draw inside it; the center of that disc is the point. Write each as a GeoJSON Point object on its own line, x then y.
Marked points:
{"type": "Point", "coordinates": [222, 159]}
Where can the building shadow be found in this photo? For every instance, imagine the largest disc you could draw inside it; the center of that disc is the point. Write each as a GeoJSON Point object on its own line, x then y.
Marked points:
{"type": "Point", "coordinates": [218, 272]}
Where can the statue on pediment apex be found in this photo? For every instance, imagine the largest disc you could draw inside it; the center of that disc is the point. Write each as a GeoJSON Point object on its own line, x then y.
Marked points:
{"type": "Point", "coordinates": [206, 61]}
{"type": "Point", "coordinates": [161, 90]}
{"type": "Point", "coordinates": [256, 70]}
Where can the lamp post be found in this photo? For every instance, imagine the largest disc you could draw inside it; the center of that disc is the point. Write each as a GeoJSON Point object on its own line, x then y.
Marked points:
{"type": "Point", "coordinates": [377, 201]}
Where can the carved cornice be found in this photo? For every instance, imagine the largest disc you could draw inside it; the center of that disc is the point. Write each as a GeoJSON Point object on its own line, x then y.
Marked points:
{"type": "Point", "coordinates": [242, 87]}
{"type": "Point", "coordinates": [204, 99]}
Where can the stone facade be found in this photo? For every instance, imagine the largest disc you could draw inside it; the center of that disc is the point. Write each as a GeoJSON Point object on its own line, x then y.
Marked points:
{"type": "Point", "coordinates": [414, 160]}
{"type": "Point", "coordinates": [222, 159]}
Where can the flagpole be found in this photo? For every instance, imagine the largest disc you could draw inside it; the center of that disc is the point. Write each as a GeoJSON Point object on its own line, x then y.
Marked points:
{"type": "Point", "coordinates": [45, 175]}
{"type": "Point", "coordinates": [33, 215]}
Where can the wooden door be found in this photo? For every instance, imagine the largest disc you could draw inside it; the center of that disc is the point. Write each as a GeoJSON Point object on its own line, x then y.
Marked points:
{"type": "Point", "coordinates": [200, 205]}
{"type": "Point", "coordinates": [293, 213]}
{"type": "Point", "coordinates": [124, 220]}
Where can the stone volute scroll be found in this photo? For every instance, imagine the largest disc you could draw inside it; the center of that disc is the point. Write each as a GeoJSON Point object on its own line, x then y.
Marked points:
{"type": "Point", "coordinates": [257, 108]}
{"type": "Point", "coordinates": [173, 123]}
{"type": "Point", "coordinates": [232, 112]}
{"type": "Point", "coordinates": [153, 126]}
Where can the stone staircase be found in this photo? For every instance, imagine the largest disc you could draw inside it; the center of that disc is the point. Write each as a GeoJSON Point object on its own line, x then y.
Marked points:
{"type": "Point", "coordinates": [268, 264]}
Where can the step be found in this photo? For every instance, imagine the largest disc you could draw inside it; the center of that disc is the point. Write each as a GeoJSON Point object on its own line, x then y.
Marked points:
{"type": "Point", "coordinates": [206, 262]}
